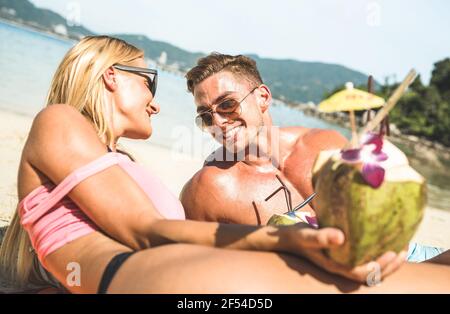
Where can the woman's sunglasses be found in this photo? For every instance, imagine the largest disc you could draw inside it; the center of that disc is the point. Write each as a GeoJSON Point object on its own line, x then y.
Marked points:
{"type": "Point", "coordinates": [150, 74]}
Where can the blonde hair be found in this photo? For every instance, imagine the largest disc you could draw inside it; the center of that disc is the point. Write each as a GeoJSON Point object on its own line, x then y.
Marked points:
{"type": "Point", "coordinates": [77, 82]}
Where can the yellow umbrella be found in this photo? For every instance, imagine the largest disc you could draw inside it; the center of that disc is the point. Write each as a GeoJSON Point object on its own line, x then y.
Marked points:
{"type": "Point", "coordinates": [351, 99]}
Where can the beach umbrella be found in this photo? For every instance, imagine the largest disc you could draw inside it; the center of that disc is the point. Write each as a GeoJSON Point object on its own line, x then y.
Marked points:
{"type": "Point", "coordinates": [351, 99]}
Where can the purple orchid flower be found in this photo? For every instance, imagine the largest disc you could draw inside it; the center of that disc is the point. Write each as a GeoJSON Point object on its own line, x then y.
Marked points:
{"type": "Point", "coordinates": [372, 171]}
{"type": "Point", "coordinates": [312, 221]}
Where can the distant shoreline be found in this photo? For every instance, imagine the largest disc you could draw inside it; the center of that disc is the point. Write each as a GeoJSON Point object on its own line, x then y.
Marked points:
{"type": "Point", "coordinates": [35, 29]}
{"type": "Point", "coordinates": [416, 144]}
{"type": "Point", "coordinates": [61, 37]}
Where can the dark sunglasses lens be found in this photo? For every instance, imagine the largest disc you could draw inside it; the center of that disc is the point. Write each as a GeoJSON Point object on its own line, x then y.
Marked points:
{"type": "Point", "coordinates": [204, 120]}
{"type": "Point", "coordinates": [154, 84]}
{"type": "Point", "coordinates": [227, 106]}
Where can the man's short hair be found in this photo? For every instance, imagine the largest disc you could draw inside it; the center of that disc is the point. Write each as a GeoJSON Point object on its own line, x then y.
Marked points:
{"type": "Point", "coordinates": [239, 65]}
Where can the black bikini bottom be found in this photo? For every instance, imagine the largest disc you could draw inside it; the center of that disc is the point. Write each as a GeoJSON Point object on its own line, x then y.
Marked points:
{"type": "Point", "coordinates": [111, 269]}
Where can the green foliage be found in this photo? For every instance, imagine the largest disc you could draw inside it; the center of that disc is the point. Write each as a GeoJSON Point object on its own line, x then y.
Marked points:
{"type": "Point", "coordinates": [425, 110]}
{"type": "Point", "coordinates": [441, 78]}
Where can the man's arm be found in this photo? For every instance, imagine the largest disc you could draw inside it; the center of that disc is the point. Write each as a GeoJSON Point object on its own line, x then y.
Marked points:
{"type": "Point", "coordinates": [305, 151]}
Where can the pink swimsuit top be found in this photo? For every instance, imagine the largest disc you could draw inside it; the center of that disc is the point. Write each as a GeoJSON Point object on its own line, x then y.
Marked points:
{"type": "Point", "coordinates": [52, 219]}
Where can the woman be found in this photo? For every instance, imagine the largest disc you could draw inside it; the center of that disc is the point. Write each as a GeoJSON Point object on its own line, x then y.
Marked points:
{"type": "Point", "coordinates": [98, 222]}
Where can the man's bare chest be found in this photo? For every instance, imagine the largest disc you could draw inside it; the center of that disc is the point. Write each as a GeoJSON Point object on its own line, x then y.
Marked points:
{"type": "Point", "coordinates": [259, 195]}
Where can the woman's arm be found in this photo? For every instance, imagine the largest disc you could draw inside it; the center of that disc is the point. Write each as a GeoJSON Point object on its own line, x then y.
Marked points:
{"type": "Point", "coordinates": [287, 239]}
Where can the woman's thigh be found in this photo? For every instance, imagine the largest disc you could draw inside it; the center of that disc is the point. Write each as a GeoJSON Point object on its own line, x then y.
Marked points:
{"type": "Point", "coordinates": [183, 268]}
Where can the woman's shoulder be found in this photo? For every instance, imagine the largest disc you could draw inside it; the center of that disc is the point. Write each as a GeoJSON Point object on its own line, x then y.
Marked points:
{"type": "Point", "coordinates": [59, 114]}
{"type": "Point", "coordinates": [61, 139]}
{"type": "Point", "coordinates": [61, 124]}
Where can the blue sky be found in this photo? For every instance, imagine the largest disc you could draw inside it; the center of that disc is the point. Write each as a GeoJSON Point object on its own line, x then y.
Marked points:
{"type": "Point", "coordinates": [379, 37]}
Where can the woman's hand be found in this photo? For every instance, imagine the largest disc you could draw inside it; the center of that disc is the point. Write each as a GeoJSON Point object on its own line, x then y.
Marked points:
{"type": "Point", "coordinates": [305, 241]}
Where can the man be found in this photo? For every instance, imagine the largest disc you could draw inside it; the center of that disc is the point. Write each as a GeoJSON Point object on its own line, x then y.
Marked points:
{"type": "Point", "coordinates": [257, 157]}
{"type": "Point", "coordinates": [238, 181]}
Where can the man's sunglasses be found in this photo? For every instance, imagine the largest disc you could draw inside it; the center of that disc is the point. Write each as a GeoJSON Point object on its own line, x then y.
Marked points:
{"type": "Point", "coordinates": [229, 109]}
{"type": "Point", "coordinates": [150, 74]}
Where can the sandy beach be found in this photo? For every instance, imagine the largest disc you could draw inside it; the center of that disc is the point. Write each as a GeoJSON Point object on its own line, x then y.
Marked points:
{"type": "Point", "coordinates": [172, 168]}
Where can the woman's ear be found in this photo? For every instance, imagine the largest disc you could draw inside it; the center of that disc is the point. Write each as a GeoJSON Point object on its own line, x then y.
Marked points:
{"type": "Point", "coordinates": [266, 97]}
{"type": "Point", "coordinates": [110, 79]}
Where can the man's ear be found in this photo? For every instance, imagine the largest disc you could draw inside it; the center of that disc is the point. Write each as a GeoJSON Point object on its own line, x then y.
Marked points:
{"type": "Point", "coordinates": [266, 97]}
{"type": "Point", "coordinates": [110, 79]}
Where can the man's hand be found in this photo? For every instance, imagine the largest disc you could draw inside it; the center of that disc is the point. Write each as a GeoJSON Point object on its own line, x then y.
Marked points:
{"type": "Point", "coordinates": [308, 242]}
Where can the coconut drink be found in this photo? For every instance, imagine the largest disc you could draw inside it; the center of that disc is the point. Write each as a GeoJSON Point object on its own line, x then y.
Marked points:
{"type": "Point", "coordinates": [372, 194]}
{"type": "Point", "coordinates": [291, 218]}
{"type": "Point", "coordinates": [368, 189]}
{"type": "Point", "coordinates": [293, 215]}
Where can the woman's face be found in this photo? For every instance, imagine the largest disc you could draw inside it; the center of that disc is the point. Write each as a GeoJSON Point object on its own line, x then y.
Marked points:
{"type": "Point", "coordinates": [134, 104]}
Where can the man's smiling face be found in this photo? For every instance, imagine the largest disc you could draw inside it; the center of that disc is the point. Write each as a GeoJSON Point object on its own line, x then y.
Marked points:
{"type": "Point", "coordinates": [223, 88]}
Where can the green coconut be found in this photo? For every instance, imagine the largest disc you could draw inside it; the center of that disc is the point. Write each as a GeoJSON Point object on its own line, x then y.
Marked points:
{"type": "Point", "coordinates": [289, 218]}
{"type": "Point", "coordinates": [374, 220]}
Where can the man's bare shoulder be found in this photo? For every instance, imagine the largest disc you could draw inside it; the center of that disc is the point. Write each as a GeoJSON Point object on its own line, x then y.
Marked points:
{"type": "Point", "coordinates": [320, 139]}
{"type": "Point", "coordinates": [327, 136]}
{"type": "Point", "coordinates": [293, 133]}
{"type": "Point", "coordinates": [211, 175]}
{"type": "Point", "coordinates": [204, 193]}
{"type": "Point", "coordinates": [303, 153]}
